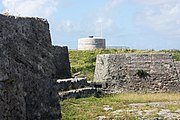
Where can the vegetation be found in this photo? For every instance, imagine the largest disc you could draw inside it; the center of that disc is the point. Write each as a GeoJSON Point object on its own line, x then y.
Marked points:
{"type": "Point", "coordinates": [142, 74]}
{"type": "Point", "coordinates": [84, 61]}
{"type": "Point", "coordinates": [90, 108]}
{"type": "Point", "coordinates": [176, 54]}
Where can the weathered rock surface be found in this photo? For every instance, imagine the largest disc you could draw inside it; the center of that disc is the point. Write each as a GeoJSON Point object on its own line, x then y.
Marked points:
{"type": "Point", "coordinates": [27, 71]}
{"type": "Point", "coordinates": [61, 61]}
{"type": "Point", "coordinates": [152, 111]}
{"type": "Point", "coordinates": [77, 88]}
{"type": "Point", "coordinates": [177, 65]}
{"type": "Point", "coordinates": [137, 72]}
{"type": "Point", "coordinates": [78, 93]}
{"type": "Point", "coordinates": [71, 83]}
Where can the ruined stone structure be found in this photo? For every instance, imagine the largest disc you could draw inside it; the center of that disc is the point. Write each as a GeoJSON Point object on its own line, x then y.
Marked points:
{"type": "Point", "coordinates": [27, 70]}
{"type": "Point", "coordinates": [76, 88]}
{"type": "Point", "coordinates": [138, 72]}
{"type": "Point", "coordinates": [61, 62]}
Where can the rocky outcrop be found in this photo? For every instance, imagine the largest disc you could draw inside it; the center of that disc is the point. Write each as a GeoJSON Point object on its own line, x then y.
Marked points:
{"type": "Point", "coordinates": [27, 71]}
{"type": "Point", "coordinates": [137, 73]}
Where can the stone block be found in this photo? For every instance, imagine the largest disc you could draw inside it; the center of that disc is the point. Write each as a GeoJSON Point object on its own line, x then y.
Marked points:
{"type": "Point", "coordinates": [71, 83]}
{"type": "Point", "coordinates": [61, 62]}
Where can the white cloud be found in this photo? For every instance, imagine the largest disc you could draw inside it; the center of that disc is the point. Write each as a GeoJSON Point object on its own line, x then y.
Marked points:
{"type": "Point", "coordinates": [161, 16]}
{"type": "Point", "coordinates": [111, 5]}
{"type": "Point", "coordinates": [91, 23]}
{"type": "Point", "coordinates": [68, 26]}
{"type": "Point", "coordinates": [104, 17]}
{"type": "Point", "coordinates": [37, 8]}
{"type": "Point", "coordinates": [152, 2]}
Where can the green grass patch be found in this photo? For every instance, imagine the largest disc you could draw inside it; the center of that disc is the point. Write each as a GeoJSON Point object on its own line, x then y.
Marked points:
{"type": "Point", "coordinates": [90, 108]}
{"type": "Point", "coordinates": [173, 107]}
{"type": "Point", "coordinates": [85, 61]}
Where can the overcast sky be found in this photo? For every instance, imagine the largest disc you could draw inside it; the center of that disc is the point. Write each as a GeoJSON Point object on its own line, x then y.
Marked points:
{"type": "Point", "coordinates": [139, 24]}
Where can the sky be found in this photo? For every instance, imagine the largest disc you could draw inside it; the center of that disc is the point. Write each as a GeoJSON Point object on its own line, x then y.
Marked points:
{"type": "Point", "coordinates": [137, 24]}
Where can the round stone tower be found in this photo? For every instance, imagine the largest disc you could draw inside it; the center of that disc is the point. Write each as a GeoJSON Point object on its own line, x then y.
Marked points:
{"type": "Point", "coordinates": [91, 43]}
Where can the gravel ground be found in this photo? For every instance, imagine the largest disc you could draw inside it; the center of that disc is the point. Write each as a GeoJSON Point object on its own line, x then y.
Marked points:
{"type": "Point", "coordinates": [157, 109]}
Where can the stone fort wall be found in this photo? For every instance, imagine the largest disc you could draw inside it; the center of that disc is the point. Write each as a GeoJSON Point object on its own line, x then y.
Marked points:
{"type": "Point", "coordinates": [29, 69]}
{"type": "Point", "coordinates": [138, 72]}
{"type": "Point", "coordinates": [61, 61]}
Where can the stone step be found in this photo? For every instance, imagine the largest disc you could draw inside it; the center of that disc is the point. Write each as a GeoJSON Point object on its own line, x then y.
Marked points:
{"type": "Point", "coordinates": [97, 84]}
{"type": "Point", "coordinates": [71, 83]}
{"type": "Point", "coordinates": [80, 93]}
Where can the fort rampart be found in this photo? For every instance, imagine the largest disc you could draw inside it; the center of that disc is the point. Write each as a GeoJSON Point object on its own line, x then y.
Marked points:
{"type": "Point", "coordinates": [138, 72]}
{"type": "Point", "coordinates": [29, 68]}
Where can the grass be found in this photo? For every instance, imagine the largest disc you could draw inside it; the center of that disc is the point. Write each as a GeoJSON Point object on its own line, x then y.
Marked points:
{"type": "Point", "coordinates": [90, 108]}
{"type": "Point", "coordinates": [84, 61]}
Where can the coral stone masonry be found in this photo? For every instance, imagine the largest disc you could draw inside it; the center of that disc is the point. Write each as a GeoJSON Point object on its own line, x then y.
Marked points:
{"type": "Point", "coordinates": [27, 71]}
{"type": "Point", "coordinates": [137, 72]}
{"type": "Point", "coordinates": [61, 61]}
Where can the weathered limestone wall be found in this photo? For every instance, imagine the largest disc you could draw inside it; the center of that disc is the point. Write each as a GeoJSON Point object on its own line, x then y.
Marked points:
{"type": "Point", "coordinates": [137, 72]}
{"type": "Point", "coordinates": [27, 85]}
{"type": "Point", "coordinates": [61, 61]}
{"type": "Point", "coordinates": [177, 65]}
